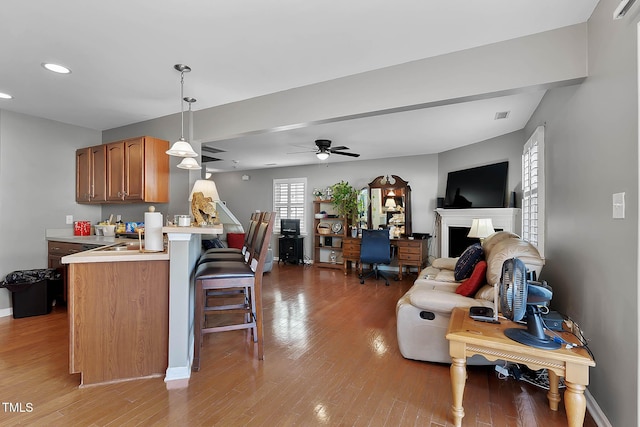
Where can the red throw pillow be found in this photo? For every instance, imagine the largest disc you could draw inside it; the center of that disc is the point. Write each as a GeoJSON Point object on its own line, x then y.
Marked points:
{"type": "Point", "coordinates": [471, 285]}
{"type": "Point", "coordinates": [235, 240]}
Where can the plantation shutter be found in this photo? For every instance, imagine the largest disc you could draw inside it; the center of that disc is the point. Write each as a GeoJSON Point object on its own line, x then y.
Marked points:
{"type": "Point", "coordinates": [533, 190]}
{"type": "Point", "coordinates": [289, 201]}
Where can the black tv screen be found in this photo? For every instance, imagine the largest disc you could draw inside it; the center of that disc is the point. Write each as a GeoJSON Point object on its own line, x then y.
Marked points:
{"type": "Point", "coordinates": [480, 187]}
{"type": "Point", "coordinates": [289, 227]}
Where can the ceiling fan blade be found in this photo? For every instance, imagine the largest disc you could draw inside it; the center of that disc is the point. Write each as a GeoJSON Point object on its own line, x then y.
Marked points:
{"type": "Point", "coordinates": [345, 154]}
{"type": "Point", "coordinates": [341, 147]}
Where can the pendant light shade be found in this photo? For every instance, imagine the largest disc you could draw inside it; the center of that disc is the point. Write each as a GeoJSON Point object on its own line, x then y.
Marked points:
{"type": "Point", "coordinates": [182, 148]}
{"type": "Point", "coordinates": [189, 163]}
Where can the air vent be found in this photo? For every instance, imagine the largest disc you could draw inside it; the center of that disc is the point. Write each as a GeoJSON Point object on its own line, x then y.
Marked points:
{"type": "Point", "coordinates": [207, 159]}
{"type": "Point", "coordinates": [502, 115]}
{"type": "Point", "coordinates": [212, 149]}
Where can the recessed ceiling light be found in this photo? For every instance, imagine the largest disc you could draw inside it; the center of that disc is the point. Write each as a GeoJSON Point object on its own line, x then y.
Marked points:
{"type": "Point", "coordinates": [5, 96]}
{"type": "Point", "coordinates": [56, 68]}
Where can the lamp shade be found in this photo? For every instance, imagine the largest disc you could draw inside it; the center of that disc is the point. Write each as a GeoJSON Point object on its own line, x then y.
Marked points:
{"type": "Point", "coordinates": [206, 187]}
{"type": "Point", "coordinates": [181, 148]}
{"type": "Point", "coordinates": [189, 163]}
{"type": "Point", "coordinates": [390, 203]}
{"type": "Point", "coordinates": [481, 228]}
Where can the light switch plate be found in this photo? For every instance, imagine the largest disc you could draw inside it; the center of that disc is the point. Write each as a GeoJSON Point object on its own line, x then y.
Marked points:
{"type": "Point", "coordinates": [618, 206]}
{"type": "Point", "coordinates": [69, 219]}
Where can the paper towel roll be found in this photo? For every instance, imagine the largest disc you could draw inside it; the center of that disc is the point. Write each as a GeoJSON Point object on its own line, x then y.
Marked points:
{"type": "Point", "coordinates": [153, 231]}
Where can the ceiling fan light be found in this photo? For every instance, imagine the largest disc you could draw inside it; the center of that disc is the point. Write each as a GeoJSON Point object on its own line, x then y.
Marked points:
{"type": "Point", "coordinates": [181, 148]}
{"type": "Point", "coordinates": [322, 155]}
{"type": "Point", "coordinates": [189, 163]}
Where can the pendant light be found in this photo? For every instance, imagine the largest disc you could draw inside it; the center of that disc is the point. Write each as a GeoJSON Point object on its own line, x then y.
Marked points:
{"type": "Point", "coordinates": [182, 148]}
{"type": "Point", "coordinates": [189, 162]}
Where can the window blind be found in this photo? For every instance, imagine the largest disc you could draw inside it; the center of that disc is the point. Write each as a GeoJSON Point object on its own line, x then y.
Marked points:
{"type": "Point", "coordinates": [289, 201]}
{"type": "Point", "coordinates": [533, 190]}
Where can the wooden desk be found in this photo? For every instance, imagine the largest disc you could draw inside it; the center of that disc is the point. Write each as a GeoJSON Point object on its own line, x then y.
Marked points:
{"type": "Point", "coordinates": [410, 252]}
{"type": "Point", "coordinates": [468, 337]}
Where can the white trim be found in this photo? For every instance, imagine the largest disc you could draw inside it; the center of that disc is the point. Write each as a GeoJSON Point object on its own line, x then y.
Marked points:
{"type": "Point", "coordinates": [506, 219]}
{"type": "Point", "coordinates": [596, 413]}
{"type": "Point", "coordinates": [304, 227]}
{"type": "Point", "coordinates": [638, 224]}
{"type": "Point", "coordinates": [177, 373]}
{"type": "Point", "coordinates": [536, 139]}
{"type": "Point", "coordinates": [4, 312]}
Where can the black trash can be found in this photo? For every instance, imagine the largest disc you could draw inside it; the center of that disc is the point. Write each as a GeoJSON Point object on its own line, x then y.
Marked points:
{"type": "Point", "coordinates": [32, 291]}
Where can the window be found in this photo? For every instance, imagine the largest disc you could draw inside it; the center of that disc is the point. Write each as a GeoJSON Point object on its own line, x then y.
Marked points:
{"type": "Point", "coordinates": [533, 190]}
{"type": "Point", "coordinates": [289, 201]}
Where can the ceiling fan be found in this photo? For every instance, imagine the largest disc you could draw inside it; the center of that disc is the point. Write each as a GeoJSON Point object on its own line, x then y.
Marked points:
{"type": "Point", "coordinates": [324, 150]}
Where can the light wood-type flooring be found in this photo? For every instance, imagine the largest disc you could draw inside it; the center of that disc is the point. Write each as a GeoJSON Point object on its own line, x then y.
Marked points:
{"type": "Point", "coordinates": [331, 359]}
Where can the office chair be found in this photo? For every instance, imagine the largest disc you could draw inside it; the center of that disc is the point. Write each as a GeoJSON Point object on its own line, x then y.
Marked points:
{"type": "Point", "coordinates": [375, 250]}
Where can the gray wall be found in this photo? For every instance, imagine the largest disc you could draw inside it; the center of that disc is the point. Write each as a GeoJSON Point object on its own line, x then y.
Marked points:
{"type": "Point", "coordinates": [592, 152]}
{"type": "Point", "coordinates": [37, 183]}
{"type": "Point", "coordinates": [244, 197]}
{"type": "Point", "coordinates": [503, 148]}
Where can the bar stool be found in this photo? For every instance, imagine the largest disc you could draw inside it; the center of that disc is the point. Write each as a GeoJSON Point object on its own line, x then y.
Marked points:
{"type": "Point", "coordinates": [232, 276]}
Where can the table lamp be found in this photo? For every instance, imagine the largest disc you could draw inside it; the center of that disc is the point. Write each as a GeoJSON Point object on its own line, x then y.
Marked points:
{"type": "Point", "coordinates": [481, 228]}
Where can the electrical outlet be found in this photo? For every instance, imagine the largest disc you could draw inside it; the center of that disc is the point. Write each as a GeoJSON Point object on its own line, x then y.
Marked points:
{"type": "Point", "coordinates": [69, 219]}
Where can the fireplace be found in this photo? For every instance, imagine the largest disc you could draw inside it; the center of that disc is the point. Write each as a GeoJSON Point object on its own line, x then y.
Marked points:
{"type": "Point", "coordinates": [458, 240]}
{"type": "Point", "coordinates": [453, 225]}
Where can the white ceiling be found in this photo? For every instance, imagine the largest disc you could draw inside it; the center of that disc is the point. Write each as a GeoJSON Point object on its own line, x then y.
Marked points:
{"type": "Point", "coordinates": [122, 54]}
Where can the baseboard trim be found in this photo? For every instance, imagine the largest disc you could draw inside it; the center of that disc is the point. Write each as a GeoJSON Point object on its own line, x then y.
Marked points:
{"type": "Point", "coordinates": [594, 409]}
{"type": "Point", "coordinates": [4, 312]}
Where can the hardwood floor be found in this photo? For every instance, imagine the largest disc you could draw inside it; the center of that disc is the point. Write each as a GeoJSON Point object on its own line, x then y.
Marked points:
{"type": "Point", "coordinates": [331, 358]}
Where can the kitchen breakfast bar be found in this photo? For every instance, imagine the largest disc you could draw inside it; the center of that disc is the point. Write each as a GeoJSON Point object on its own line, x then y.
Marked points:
{"type": "Point", "coordinates": [131, 311]}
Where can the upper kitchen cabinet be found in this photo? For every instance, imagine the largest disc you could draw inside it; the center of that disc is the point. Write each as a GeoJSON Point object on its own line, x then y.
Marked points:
{"type": "Point", "coordinates": [133, 170]}
{"type": "Point", "coordinates": [138, 170]}
{"type": "Point", "coordinates": [91, 174]}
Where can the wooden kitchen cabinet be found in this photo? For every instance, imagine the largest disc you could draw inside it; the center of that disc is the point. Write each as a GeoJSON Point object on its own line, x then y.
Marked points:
{"type": "Point", "coordinates": [137, 170]}
{"type": "Point", "coordinates": [57, 250]}
{"type": "Point", "coordinates": [91, 176]}
{"type": "Point", "coordinates": [118, 320]}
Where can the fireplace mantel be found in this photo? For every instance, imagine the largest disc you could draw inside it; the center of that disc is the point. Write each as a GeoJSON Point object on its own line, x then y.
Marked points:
{"type": "Point", "coordinates": [507, 219]}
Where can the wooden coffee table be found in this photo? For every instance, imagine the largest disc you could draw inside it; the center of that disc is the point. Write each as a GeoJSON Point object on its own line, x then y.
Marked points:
{"type": "Point", "coordinates": [468, 337]}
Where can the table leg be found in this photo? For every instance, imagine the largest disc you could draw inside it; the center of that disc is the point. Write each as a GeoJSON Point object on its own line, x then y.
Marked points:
{"type": "Point", "coordinates": [575, 403]}
{"type": "Point", "coordinates": [553, 395]}
{"type": "Point", "coordinates": [458, 379]}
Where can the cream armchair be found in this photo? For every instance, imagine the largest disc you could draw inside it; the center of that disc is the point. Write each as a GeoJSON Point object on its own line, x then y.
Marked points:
{"type": "Point", "coordinates": [423, 313]}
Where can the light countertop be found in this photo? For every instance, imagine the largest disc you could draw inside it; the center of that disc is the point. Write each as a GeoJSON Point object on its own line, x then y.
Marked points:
{"type": "Point", "coordinates": [102, 255]}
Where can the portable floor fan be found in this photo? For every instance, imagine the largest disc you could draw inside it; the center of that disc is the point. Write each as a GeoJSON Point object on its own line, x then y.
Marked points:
{"type": "Point", "coordinates": [519, 296]}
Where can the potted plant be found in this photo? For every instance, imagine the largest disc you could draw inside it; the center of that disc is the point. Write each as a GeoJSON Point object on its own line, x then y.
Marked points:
{"type": "Point", "coordinates": [345, 201]}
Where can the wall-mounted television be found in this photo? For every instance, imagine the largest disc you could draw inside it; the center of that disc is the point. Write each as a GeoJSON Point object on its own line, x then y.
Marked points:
{"type": "Point", "coordinates": [289, 227]}
{"type": "Point", "coordinates": [479, 187]}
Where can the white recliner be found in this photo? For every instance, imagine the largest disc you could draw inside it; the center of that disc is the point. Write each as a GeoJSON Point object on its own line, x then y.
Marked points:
{"type": "Point", "coordinates": [423, 313]}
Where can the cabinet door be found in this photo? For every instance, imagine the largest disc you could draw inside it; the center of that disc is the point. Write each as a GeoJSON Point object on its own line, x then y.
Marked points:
{"type": "Point", "coordinates": [98, 174]}
{"type": "Point", "coordinates": [115, 171]}
{"type": "Point", "coordinates": [83, 175]}
{"type": "Point", "coordinates": [134, 169]}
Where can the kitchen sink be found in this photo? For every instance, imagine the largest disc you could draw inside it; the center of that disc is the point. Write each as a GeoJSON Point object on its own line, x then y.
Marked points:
{"type": "Point", "coordinates": [131, 246]}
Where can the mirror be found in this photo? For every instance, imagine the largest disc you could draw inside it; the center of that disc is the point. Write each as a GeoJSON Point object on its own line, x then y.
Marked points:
{"type": "Point", "coordinates": [390, 205]}
{"type": "Point", "coordinates": [363, 208]}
